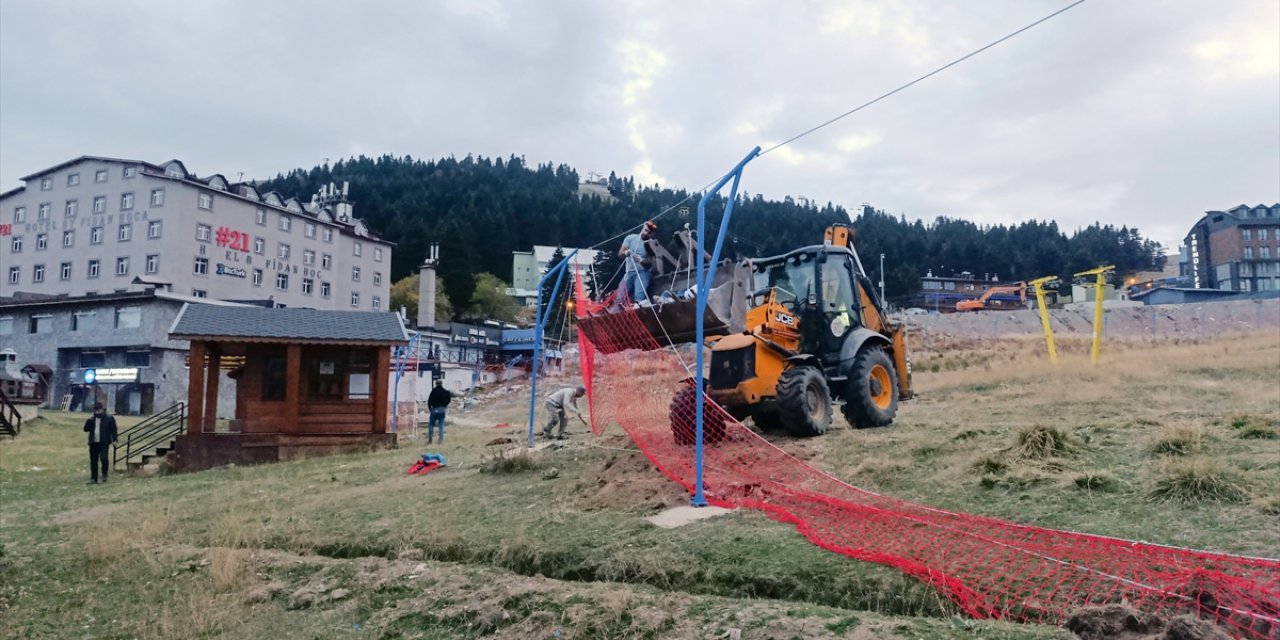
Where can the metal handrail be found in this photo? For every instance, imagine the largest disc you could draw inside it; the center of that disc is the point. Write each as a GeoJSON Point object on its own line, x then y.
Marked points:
{"type": "Point", "coordinates": [11, 414]}
{"type": "Point", "coordinates": [144, 436]}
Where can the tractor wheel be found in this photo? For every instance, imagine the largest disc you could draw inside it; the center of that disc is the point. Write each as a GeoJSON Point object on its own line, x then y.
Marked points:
{"type": "Point", "coordinates": [684, 419]}
{"type": "Point", "coordinates": [872, 398]}
{"type": "Point", "coordinates": [804, 402]}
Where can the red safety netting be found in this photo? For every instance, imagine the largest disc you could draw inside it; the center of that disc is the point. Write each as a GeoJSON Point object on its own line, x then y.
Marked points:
{"type": "Point", "coordinates": [990, 568]}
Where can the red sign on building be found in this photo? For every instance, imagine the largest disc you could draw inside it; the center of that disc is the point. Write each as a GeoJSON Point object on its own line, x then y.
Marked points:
{"type": "Point", "coordinates": [232, 239]}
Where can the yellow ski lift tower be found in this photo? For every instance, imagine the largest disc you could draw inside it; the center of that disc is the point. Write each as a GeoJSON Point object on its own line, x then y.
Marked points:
{"type": "Point", "coordinates": [1038, 286]}
{"type": "Point", "coordinates": [1101, 274]}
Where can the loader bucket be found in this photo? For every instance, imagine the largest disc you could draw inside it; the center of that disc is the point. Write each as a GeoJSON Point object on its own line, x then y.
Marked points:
{"type": "Point", "coordinates": [671, 318]}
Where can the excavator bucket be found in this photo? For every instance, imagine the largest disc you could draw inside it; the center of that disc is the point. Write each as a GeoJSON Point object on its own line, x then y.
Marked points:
{"type": "Point", "coordinates": [671, 316]}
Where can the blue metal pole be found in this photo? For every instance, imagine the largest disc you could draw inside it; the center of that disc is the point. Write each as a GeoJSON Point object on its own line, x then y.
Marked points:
{"type": "Point", "coordinates": [706, 275]}
{"type": "Point", "coordinates": [541, 320]}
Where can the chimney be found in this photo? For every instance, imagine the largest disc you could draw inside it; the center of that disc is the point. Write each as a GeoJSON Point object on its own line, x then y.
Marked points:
{"type": "Point", "coordinates": [427, 288]}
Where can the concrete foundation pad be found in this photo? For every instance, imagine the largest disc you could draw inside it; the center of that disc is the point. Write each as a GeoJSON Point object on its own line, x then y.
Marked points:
{"type": "Point", "coordinates": [680, 516]}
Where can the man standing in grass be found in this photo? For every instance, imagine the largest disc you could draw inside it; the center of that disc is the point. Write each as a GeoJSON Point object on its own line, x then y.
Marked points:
{"type": "Point", "coordinates": [437, 405]}
{"type": "Point", "coordinates": [556, 404]}
{"type": "Point", "coordinates": [102, 432]}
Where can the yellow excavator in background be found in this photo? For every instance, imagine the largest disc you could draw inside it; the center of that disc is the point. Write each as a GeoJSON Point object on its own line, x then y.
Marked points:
{"type": "Point", "coordinates": [980, 303]}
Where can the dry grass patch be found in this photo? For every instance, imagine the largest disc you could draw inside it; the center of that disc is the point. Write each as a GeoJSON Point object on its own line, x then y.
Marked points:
{"type": "Point", "coordinates": [990, 465]}
{"type": "Point", "coordinates": [1269, 505]}
{"type": "Point", "coordinates": [1040, 442]}
{"type": "Point", "coordinates": [1254, 427]}
{"type": "Point", "coordinates": [230, 569]}
{"type": "Point", "coordinates": [1198, 481]}
{"type": "Point", "coordinates": [519, 462]}
{"type": "Point", "coordinates": [1100, 481]}
{"type": "Point", "coordinates": [1178, 440]}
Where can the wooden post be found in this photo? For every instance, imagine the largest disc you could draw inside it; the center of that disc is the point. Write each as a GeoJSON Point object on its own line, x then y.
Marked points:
{"type": "Point", "coordinates": [292, 386]}
{"type": "Point", "coordinates": [379, 387]}
{"type": "Point", "coordinates": [195, 387]}
{"type": "Point", "coordinates": [211, 388]}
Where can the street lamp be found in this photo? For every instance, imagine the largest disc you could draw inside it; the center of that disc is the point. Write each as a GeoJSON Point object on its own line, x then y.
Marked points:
{"type": "Point", "coordinates": [882, 279]}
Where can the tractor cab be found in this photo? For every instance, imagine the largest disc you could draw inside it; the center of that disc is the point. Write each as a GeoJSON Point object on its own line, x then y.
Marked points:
{"type": "Point", "coordinates": [816, 286]}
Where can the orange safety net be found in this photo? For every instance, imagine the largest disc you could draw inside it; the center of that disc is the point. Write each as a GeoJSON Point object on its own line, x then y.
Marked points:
{"type": "Point", "coordinates": [990, 568]}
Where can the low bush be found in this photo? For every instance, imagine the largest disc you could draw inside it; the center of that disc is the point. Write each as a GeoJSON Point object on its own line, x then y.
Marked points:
{"type": "Point", "coordinates": [1198, 481]}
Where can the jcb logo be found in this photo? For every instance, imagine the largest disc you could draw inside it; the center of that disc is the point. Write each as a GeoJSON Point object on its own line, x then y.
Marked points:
{"type": "Point", "coordinates": [786, 319]}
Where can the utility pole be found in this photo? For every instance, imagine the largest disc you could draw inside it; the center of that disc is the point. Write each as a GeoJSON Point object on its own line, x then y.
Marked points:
{"type": "Point", "coordinates": [882, 280]}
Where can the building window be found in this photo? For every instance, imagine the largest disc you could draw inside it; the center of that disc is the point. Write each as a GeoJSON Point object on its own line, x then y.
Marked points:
{"type": "Point", "coordinates": [282, 252]}
{"type": "Point", "coordinates": [282, 281]}
{"type": "Point", "coordinates": [138, 357]}
{"type": "Point", "coordinates": [261, 216]}
{"type": "Point", "coordinates": [205, 202]}
{"type": "Point", "coordinates": [73, 180]}
{"type": "Point", "coordinates": [153, 263]}
{"type": "Point", "coordinates": [324, 289]}
{"type": "Point", "coordinates": [43, 212]}
{"type": "Point", "coordinates": [94, 268]}
{"type": "Point", "coordinates": [100, 204]}
{"type": "Point", "coordinates": [1262, 234]}
{"type": "Point", "coordinates": [126, 202]}
{"type": "Point", "coordinates": [308, 257]}
{"type": "Point", "coordinates": [37, 274]}
{"type": "Point", "coordinates": [309, 230]}
{"type": "Point", "coordinates": [1246, 233]}
{"type": "Point", "coordinates": [306, 286]}
{"type": "Point", "coordinates": [326, 261]}
{"type": "Point", "coordinates": [95, 235]}
{"type": "Point", "coordinates": [286, 223]}
{"type": "Point", "coordinates": [42, 241]}
{"type": "Point", "coordinates": [69, 238]}
{"type": "Point", "coordinates": [128, 317]}
{"type": "Point", "coordinates": [377, 303]}
{"type": "Point", "coordinates": [357, 249]}
{"type": "Point", "coordinates": [327, 234]}
{"type": "Point", "coordinates": [202, 267]}
{"type": "Point", "coordinates": [19, 215]}
{"type": "Point", "coordinates": [100, 175]}
{"type": "Point", "coordinates": [377, 278]}
{"type": "Point", "coordinates": [1248, 253]}
{"type": "Point", "coordinates": [46, 184]}
{"type": "Point", "coordinates": [199, 293]}
{"type": "Point", "coordinates": [15, 245]}
{"type": "Point", "coordinates": [153, 229]}
{"type": "Point", "coordinates": [259, 246]}
{"type": "Point", "coordinates": [93, 359]}
{"type": "Point", "coordinates": [1244, 285]}
{"type": "Point", "coordinates": [377, 254]}
{"type": "Point", "coordinates": [122, 266]}
{"type": "Point", "coordinates": [126, 232]}
{"type": "Point", "coordinates": [83, 321]}
{"type": "Point", "coordinates": [355, 274]}
{"type": "Point", "coordinates": [6, 326]}
{"type": "Point", "coordinates": [203, 232]}
{"type": "Point", "coordinates": [15, 273]}
{"type": "Point", "coordinates": [64, 272]}
{"type": "Point", "coordinates": [72, 207]}
{"type": "Point", "coordinates": [130, 171]}
{"type": "Point", "coordinates": [257, 277]}
{"type": "Point", "coordinates": [355, 299]}
{"type": "Point", "coordinates": [41, 324]}
{"type": "Point", "coordinates": [157, 197]}
{"type": "Point", "coordinates": [275, 378]}
{"type": "Point", "coordinates": [1264, 252]}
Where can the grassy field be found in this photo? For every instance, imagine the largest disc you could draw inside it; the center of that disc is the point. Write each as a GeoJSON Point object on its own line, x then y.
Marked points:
{"type": "Point", "coordinates": [1176, 444]}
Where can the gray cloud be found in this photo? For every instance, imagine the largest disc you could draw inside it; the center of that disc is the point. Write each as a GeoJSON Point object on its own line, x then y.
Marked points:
{"type": "Point", "coordinates": [1142, 113]}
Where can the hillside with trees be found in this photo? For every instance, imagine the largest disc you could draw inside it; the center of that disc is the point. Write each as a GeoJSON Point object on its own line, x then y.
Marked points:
{"type": "Point", "coordinates": [481, 209]}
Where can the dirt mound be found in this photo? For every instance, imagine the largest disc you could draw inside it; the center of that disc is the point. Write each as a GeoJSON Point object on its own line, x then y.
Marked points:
{"type": "Point", "coordinates": [1126, 623]}
{"type": "Point", "coordinates": [628, 481]}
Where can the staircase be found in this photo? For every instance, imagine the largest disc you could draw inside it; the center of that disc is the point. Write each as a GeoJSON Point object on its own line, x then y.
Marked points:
{"type": "Point", "coordinates": [151, 438]}
{"type": "Point", "coordinates": [10, 419]}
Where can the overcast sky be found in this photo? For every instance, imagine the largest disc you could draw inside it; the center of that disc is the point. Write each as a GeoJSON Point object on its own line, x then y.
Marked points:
{"type": "Point", "coordinates": [1139, 112]}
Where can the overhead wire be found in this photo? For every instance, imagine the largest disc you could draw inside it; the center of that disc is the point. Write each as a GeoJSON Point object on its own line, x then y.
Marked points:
{"type": "Point", "coordinates": [920, 79]}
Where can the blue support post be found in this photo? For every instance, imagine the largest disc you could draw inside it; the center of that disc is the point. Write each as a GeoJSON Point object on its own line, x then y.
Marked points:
{"type": "Point", "coordinates": [541, 320]}
{"type": "Point", "coordinates": [706, 276]}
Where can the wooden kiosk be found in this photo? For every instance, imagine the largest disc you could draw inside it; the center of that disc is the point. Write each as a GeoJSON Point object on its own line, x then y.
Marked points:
{"type": "Point", "coordinates": [308, 382]}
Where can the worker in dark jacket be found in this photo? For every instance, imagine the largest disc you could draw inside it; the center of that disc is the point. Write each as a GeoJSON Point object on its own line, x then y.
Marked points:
{"type": "Point", "coordinates": [102, 432]}
{"type": "Point", "coordinates": [437, 403]}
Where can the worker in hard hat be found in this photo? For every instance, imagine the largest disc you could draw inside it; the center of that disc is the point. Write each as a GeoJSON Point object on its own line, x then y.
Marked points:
{"type": "Point", "coordinates": [557, 402]}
